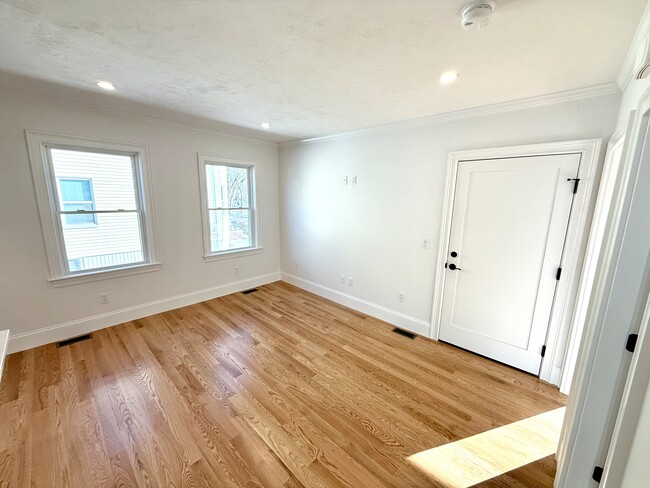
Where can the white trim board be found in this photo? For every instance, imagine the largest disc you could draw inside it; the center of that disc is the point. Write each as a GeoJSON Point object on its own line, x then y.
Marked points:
{"type": "Point", "coordinates": [4, 347]}
{"type": "Point", "coordinates": [575, 241]}
{"type": "Point", "coordinates": [54, 333]}
{"type": "Point", "coordinates": [604, 199]}
{"type": "Point", "coordinates": [496, 108]}
{"type": "Point", "coordinates": [393, 317]}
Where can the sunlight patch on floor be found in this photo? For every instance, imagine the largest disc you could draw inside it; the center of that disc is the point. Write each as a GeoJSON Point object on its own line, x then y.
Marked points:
{"type": "Point", "coordinates": [492, 453]}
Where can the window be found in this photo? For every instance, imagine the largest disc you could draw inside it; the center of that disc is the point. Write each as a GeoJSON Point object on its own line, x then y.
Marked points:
{"type": "Point", "coordinates": [93, 206]}
{"type": "Point", "coordinates": [77, 194]}
{"type": "Point", "coordinates": [228, 198]}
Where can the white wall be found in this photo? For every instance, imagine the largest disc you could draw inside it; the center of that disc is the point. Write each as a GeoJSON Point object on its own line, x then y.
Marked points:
{"type": "Point", "coordinates": [637, 471]}
{"type": "Point", "coordinates": [372, 231]}
{"type": "Point", "coordinates": [28, 302]}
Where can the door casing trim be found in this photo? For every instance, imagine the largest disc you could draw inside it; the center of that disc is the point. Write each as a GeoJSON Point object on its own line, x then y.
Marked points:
{"type": "Point", "coordinates": [561, 322]}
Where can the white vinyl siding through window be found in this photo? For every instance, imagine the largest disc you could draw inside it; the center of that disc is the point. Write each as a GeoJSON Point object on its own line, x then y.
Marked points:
{"type": "Point", "coordinates": [95, 197]}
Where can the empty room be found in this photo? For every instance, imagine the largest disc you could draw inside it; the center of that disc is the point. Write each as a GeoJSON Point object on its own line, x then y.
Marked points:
{"type": "Point", "coordinates": [362, 243]}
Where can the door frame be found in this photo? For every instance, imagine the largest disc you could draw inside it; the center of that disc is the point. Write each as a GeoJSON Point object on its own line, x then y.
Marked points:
{"type": "Point", "coordinates": [575, 243]}
{"type": "Point", "coordinates": [595, 432]}
{"type": "Point", "coordinates": [634, 394]}
{"type": "Point", "coordinates": [595, 248]}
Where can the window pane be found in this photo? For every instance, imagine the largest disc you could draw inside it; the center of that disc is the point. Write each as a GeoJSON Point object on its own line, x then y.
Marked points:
{"type": "Point", "coordinates": [229, 229]}
{"type": "Point", "coordinates": [75, 190]}
{"type": "Point", "coordinates": [227, 186]}
{"type": "Point", "coordinates": [114, 241]}
{"type": "Point", "coordinates": [112, 185]}
{"type": "Point", "coordinates": [78, 219]}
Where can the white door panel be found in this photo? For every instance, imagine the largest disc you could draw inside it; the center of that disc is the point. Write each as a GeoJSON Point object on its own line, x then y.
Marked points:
{"type": "Point", "coordinates": [508, 227]}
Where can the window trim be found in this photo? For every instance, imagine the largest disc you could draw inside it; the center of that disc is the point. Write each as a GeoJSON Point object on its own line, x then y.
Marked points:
{"type": "Point", "coordinates": [247, 163]}
{"type": "Point", "coordinates": [38, 144]}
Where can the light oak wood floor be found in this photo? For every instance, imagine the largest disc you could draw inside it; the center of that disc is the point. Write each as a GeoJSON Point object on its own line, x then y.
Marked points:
{"type": "Point", "coordinates": [276, 388]}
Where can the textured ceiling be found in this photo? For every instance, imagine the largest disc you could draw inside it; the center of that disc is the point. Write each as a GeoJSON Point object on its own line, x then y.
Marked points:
{"type": "Point", "coordinates": [313, 67]}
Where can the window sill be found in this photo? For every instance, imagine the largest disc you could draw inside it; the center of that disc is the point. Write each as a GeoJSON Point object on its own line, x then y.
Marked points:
{"type": "Point", "coordinates": [77, 279]}
{"type": "Point", "coordinates": [237, 253]}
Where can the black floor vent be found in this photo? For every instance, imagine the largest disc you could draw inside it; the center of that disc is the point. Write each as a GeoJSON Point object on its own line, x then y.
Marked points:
{"type": "Point", "coordinates": [404, 333]}
{"type": "Point", "coordinates": [246, 292]}
{"type": "Point", "coordinates": [74, 340]}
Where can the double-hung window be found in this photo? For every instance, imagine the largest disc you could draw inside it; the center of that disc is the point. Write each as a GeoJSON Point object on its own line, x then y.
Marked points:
{"type": "Point", "coordinates": [94, 205]}
{"type": "Point", "coordinates": [228, 201]}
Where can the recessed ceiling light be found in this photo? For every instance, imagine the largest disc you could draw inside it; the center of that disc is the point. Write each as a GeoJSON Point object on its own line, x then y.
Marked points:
{"type": "Point", "coordinates": [265, 125]}
{"type": "Point", "coordinates": [448, 77]}
{"type": "Point", "coordinates": [106, 85]}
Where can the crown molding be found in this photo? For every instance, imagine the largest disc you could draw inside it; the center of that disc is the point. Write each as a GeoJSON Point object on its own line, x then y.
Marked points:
{"type": "Point", "coordinates": [509, 106]}
{"type": "Point", "coordinates": [628, 68]}
{"type": "Point", "coordinates": [503, 107]}
{"type": "Point", "coordinates": [130, 115]}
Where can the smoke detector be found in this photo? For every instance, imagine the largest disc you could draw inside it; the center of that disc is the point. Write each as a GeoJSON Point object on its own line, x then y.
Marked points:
{"type": "Point", "coordinates": [477, 14]}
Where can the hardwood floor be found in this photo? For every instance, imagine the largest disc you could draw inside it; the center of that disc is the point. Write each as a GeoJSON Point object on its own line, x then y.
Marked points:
{"type": "Point", "coordinates": [276, 388]}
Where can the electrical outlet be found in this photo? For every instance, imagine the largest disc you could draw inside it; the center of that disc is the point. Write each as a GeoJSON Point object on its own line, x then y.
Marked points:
{"type": "Point", "coordinates": [350, 281]}
{"type": "Point", "coordinates": [345, 180]}
{"type": "Point", "coordinates": [342, 279]}
{"type": "Point", "coordinates": [401, 296]}
{"type": "Point", "coordinates": [104, 298]}
{"type": "Point", "coordinates": [354, 180]}
{"type": "Point", "coordinates": [236, 270]}
{"type": "Point", "coordinates": [296, 267]}
{"type": "Point", "coordinates": [426, 243]}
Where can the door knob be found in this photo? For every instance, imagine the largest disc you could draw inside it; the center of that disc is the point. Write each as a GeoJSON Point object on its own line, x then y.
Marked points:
{"type": "Point", "coordinates": [453, 267]}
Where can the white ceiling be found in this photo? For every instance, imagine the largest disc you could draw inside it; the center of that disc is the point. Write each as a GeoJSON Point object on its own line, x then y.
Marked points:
{"type": "Point", "coordinates": [313, 67]}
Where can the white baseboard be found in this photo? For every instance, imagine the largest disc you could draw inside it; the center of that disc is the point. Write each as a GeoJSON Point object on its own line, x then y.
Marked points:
{"type": "Point", "coordinates": [399, 319]}
{"type": "Point", "coordinates": [4, 347]}
{"type": "Point", "coordinates": [556, 376]}
{"type": "Point", "coordinates": [54, 333]}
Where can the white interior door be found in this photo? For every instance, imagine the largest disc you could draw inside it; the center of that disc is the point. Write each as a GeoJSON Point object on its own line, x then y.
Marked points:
{"type": "Point", "coordinates": [509, 223]}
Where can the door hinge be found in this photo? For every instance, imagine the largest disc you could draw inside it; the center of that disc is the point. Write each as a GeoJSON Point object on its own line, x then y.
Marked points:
{"type": "Point", "coordinates": [543, 351]}
{"type": "Point", "coordinates": [597, 475]}
{"type": "Point", "coordinates": [558, 274]}
{"type": "Point", "coordinates": [630, 345]}
{"type": "Point", "coordinates": [576, 182]}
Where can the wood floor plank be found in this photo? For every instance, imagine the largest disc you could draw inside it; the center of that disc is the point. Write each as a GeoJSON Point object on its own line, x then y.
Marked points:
{"type": "Point", "coordinates": [276, 388]}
